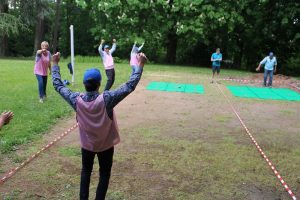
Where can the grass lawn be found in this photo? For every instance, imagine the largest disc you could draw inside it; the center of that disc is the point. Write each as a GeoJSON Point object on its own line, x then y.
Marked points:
{"type": "Point", "coordinates": [19, 93]}
{"type": "Point", "coordinates": [174, 145]}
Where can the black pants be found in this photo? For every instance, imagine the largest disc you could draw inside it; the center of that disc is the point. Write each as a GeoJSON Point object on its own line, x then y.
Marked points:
{"type": "Point", "coordinates": [105, 160]}
{"type": "Point", "coordinates": [110, 73]}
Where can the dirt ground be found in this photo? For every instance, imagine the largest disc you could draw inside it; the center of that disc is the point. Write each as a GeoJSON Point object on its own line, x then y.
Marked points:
{"type": "Point", "coordinates": [174, 146]}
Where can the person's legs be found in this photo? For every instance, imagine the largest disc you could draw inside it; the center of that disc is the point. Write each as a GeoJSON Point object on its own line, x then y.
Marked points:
{"type": "Point", "coordinates": [40, 85]}
{"type": "Point", "coordinates": [265, 77]}
{"type": "Point", "coordinates": [105, 159]}
{"type": "Point", "coordinates": [44, 85]}
{"type": "Point", "coordinates": [270, 72]}
{"type": "Point", "coordinates": [87, 167]}
{"type": "Point", "coordinates": [110, 73]}
{"type": "Point", "coordinates": [218, 74]}
{"type": "Point", "coordinates": [213, 73]}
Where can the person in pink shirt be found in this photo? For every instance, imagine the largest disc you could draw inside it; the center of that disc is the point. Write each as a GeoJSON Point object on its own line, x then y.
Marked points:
{"type": "Point", "coordinates": [108, 62]}
{"type": "Point", "coordinates": [42, 64]}
{"type": "Point", "coordinates": [133, 55]}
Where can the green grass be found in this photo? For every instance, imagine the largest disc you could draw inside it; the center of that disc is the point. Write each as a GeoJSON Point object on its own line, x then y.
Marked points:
{"type": "Point", "coordinates": [20, 94]}
{"type": "Point", "coordinates": [174, 157]}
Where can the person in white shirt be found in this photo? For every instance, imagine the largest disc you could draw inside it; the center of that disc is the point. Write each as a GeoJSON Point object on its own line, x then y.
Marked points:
{"type": "Point", "coordinates": [270, 64]}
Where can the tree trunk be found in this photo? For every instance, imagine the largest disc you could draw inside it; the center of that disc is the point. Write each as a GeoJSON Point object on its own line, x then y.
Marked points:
{"type": "Point", "coordinates": [171, 46]}
{"type": "Point", "coordinates": [39, 28]}
{"type": "Point", "coordinates": [3, 38]}
{"type": "Point", "coordinates": [56, 27]}
{"type": "Point", "coordinates": [171, 37]}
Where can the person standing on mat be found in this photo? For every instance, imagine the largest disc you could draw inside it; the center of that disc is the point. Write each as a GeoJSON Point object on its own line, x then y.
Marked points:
{"type": "Point", "coordinates": [108, 62]}
{"type": "Point", "coordinates": [42, 64]}
{"type": "Point", "coordinates": [96, 119]}
{"type": "Point", "coordinates": [133, 55]}
{"type": "Point", "coordinates": [270, 63]}
{"type": "Point", "coordinates": [216, 59]}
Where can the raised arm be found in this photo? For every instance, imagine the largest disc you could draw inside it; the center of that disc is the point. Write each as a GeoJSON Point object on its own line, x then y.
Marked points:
{"type": "Point", "coordinates": [65, 92]}
{"type": "Point", "coordinates": [114, 46]}
{"type": "Point", "coordinates": [133, 47]}
{"type": "Point", "coordinates": [50, 58]}
{"type": "Point", "coordinates": [113, 97]}
{"type": "Point", "coordinates": [140, 48]}
{"type": "Point", "coordinates": [101, 52]}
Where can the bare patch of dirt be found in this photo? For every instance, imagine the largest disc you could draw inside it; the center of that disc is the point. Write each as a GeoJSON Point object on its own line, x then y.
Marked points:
{"type": "Point", "coordinates": [148, 116]}
{"type": "Point", "coordinates": [260, 193]}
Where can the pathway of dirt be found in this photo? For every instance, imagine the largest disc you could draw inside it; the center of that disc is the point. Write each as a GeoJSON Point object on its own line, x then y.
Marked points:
{"type": "Point", "coordinates": [148, 122]}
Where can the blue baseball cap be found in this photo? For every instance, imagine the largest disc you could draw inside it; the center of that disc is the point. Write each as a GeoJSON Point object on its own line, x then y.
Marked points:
{"type": "Point", "coordinates": [92, 74]}
{"type": "Point", "coordinates": [106, 46]}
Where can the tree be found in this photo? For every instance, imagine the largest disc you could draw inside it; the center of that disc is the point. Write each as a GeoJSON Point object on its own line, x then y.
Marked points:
{"type": "Point", "coordinates": [9, 25]}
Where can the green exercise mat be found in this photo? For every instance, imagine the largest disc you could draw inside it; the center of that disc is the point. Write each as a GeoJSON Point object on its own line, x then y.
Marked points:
{"type": "Point", "coordinates": [176, 87]}
{"type": "Point", "coordinates": [264, 93]}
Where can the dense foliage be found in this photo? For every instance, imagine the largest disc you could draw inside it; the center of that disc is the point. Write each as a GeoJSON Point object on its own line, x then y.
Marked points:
{"type": "Point", "coordinates": [175, 31]}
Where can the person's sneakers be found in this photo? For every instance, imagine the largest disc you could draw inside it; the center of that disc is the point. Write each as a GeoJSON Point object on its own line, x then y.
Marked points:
{"type": "Point", "coordinates": [41, 101]}
{"type": "Point", "coordinates": [212, 81]}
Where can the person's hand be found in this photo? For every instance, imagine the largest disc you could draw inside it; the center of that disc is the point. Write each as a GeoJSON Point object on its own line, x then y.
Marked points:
{"type": "Point", "coordinates": [102, 41]}
{"type": "Point", "coordinates": [258, 68]}
{"type": "Point", "coordinates": [114, 40]}
{"type": "Point", "coordinates": [142, 59]}
{"type": "Point", "coordinates": [56, 58]}
{"type": "Point", "coordinates": [6, 117]}
{"type": "Point", "coordinates": [135, 42]}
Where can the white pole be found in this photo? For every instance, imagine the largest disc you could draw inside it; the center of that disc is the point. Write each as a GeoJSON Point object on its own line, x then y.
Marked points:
{"type": "Point", "coordinates": [72, 52]}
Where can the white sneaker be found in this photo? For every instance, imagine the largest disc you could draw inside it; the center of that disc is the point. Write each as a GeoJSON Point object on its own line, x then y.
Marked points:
{"type": "Point", "coordinates": [41, 101]}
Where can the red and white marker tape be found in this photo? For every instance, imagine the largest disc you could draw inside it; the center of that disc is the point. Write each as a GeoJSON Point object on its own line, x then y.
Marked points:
{"type": "Point", "coordinates": [249, 81]}
{"type": "Point", "coordinates": [11, 172]}
{"type": "Point", "coordinates": [259, 148]}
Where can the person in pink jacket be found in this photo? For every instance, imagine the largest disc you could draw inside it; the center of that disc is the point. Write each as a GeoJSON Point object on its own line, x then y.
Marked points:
{"type": "Point", "coordinates": [98, 128]}
{"type": "Point", "coordinates": [133, 55]}
{"type": "Point", "coordinates": [42, 64]}
{"type": "Point", "coordinates": [108, 62]}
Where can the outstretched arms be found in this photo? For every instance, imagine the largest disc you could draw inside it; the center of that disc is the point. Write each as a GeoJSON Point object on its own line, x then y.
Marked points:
{"type": "Point", "coordinates": [140, 48]}
{"type": "Point", "coordinates": [113, 97]}
{"type": "Point", "coordinates": [114, 46]}
{"type": "Point", "coordinates": [101, 52]}
{"type": "Point", "coordinates": [65, 92]}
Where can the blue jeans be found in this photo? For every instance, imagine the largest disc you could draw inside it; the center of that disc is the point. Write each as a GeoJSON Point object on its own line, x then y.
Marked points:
{"type": "Point", "coordinates": [105, 159]}
{"type": "Point", "coordinates": [42, 85]}
{"type": "Point", "coordinates": [266, 73]}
